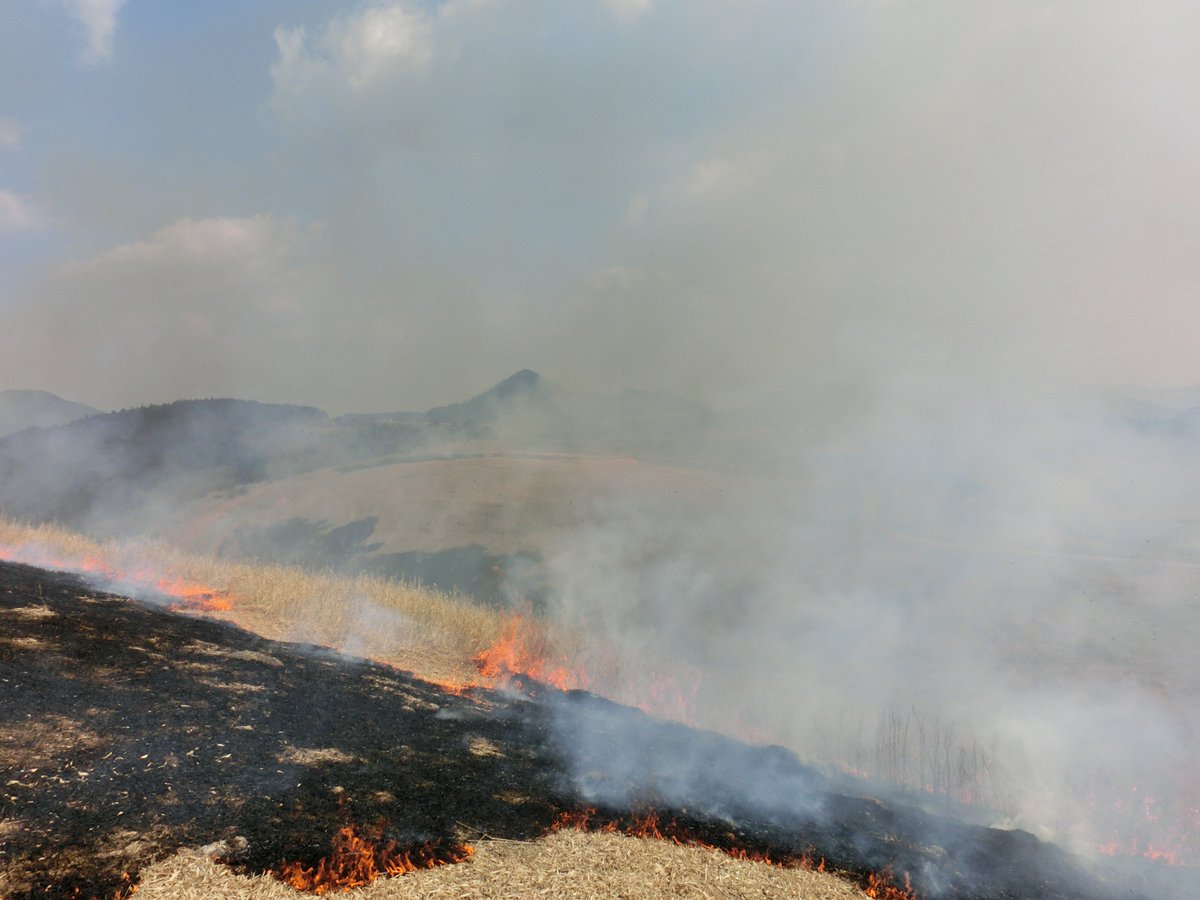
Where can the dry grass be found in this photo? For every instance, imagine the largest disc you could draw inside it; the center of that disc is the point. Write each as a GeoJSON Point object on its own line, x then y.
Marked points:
{"type": "Point", "coordinates": [429, 633]}
{"type": "Point", "coordinates": [507, 503]}
{"type": "Point", "coordinates": [435, 636]}
{"type": "Point", "coordinates": [564, 864]}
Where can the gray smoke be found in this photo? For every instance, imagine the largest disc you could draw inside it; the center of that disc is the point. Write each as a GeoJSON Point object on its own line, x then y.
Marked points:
{"type": "Point", "coordinates": [983, 601]}
{"type": "Point", "coordinates": [903, 252]}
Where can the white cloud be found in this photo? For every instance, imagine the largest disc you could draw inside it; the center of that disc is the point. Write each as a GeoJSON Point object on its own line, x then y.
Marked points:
{"type": "Point", "coordinates": [899, 156]}
{"type": "Point", "coordinates": [99, 19]}
{"type": "Point", "coordinates": [709, 185]}
{"type": "Point", "coordinates": [628, 10]}
{"type": "Point", "coordinates": [356, 49]}
{"type": "Point", "coordinates": [720, 176]}
{"type": "Point", "coordinates": [245, 242]}
{"type": "Point", "coordinates": [202, 307]}
{"type": "Point", "coordinates": [218, 269]}
{"type": "Point", "coordinates": [18, 214]}
{"type": "Point", "coordinates": [10, 133]}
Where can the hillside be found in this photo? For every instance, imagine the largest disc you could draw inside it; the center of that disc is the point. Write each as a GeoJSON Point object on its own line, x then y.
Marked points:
{"type": "Point", "coordinates": [463, 497]}
{"type": "Point", "coordinates": [124, 469]}
{"type": "Point", "coordinates": [129, 733]}
{"type": "Point", "coordinates": [526, 410]}
{"type": "Point", "coordinates": [522, 387]}
{"type": "Point", "coordinates": [37, 409]}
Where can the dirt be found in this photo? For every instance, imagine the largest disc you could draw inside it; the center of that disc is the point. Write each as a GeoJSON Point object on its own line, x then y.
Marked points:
{"type": "Point", "coordinates": [128, 733]}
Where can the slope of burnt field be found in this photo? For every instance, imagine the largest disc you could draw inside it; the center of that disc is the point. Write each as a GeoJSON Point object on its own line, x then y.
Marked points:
{"type": "Point", "coordinates": [128, 731]}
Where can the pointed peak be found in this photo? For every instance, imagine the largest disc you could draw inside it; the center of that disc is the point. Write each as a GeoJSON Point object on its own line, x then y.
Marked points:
{"type": "Point", "coordinates": [526, 378]}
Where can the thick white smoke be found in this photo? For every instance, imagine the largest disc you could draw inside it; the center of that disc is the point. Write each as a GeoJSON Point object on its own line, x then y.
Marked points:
{"type": "Point", "coordinates": [984, 599]}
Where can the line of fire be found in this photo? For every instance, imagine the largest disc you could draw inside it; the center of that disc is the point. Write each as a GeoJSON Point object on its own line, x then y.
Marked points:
{"type": "Point", "coordinates": [890, 841]}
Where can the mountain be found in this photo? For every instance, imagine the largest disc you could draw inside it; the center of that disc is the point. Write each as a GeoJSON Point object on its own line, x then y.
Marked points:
{"type": "Point", "coordinates": [37, 409]}
{"type": "Point", "coordinates": [482, 408]}
{"type": "Point", "coordinates": [523, 386]}
{"type": "Point", "coordinates": [540, 407]}
{"type": "Point", "coordinates": [146, 470]}
{"type": "Point", "coordinates": [120, 466]}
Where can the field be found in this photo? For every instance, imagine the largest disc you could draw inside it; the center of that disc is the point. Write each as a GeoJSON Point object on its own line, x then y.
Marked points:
{"type": "Point", "coordinates": [509, 503]}
{"type": "Point", "coordinates": [564, 864]}
{"type": "Point", "coordinates": [283, 743]}
{"type": "Point", "coordinates": [404, 625]}
{"type": "Point", "coordinates": [142, 740]}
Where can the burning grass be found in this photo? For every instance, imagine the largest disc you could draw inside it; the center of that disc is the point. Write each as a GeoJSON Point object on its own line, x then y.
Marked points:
{"type": "Point", "coordinates": [446, 639]}
{"type": "Point", "coordinates": [360, 855]}
{"type": "Point", "coordinates": [564, 864]}
{"type": "Point", "coordinates": [525, 649]}
{"type": "Point", "coordinates": [121, 746]}
{"type": "Point", "coordinates": [425, 631]}
{"type": "Point", "coordinates": [457, 644]}
{"type": "Point", "coordinates": [650, 826]}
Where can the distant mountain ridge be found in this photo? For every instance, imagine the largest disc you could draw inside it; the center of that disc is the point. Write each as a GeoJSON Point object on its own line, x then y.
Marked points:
{"type": "Point", "coordinates": [494, 402]}
{"type": "Point", "coordinates": [120, 471]}
{"type": "Point", "coordinates": [485, 407]}
{"type": "Point", "coordinates": [119, 465]}
{"type": "Point", "coordinates": [528, 392]}
{"type": "Point", "coordinates": [38, 409]}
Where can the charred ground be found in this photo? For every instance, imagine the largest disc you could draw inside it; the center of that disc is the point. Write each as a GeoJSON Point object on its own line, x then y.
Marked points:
{"type": "Point", "coordinates": [127, 732]}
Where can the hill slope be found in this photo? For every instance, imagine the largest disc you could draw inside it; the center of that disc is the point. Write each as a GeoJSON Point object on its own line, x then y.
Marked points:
{"type": "Point", "coordinates": [37, 409]}
{"type": "Point", "coordinates": [355, 493]}
{"type": "Point", "coordinates": [127, 732]}
{"type": "Point", "coordinates": [119, 468]}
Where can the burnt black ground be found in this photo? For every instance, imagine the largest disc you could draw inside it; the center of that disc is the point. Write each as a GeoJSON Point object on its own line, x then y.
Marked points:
{"type": "Point", "coordinates": [128, 731]}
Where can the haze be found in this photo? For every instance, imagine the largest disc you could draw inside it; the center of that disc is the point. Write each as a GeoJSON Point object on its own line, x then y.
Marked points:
{"type": "Point", "coordinates": [371, 206]}
{"type": "Point", "coordinates": [933, 263]}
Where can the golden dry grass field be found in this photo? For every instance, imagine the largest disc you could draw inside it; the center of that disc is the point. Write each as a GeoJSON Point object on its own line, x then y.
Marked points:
{"type": "Point", "coordinates": [506, 502]}
{"type": "Point", "coordinates": [564, 864]}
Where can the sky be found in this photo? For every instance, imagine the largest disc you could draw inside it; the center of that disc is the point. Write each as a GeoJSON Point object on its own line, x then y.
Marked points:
{"type": "Point", "coordinates": [392, 205]}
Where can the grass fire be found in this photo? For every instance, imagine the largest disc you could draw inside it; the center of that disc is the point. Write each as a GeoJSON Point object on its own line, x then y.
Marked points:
{"type": "Point", "coordinates": [359, 855]}
{"type": "Point", "coordinates": [300, 763]}
{"type": "Point", "coordinates": [771, 425]}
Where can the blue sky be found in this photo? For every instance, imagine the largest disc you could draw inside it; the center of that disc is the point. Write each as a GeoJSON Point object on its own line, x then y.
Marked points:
{"type": "Point", "coordinates": [370, 205]}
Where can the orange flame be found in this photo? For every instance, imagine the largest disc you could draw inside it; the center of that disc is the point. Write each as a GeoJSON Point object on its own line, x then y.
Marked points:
{"type": "Point", "coordinates": [358, 858]}
{"type": "Point", "coordinates": [522, 649]}
{"type": "Point", "coordinates": [1135, 823]}
{"type": "Point", "coordinates": [881, 886]}
{"type": "Point", "coordinates": [187, 595]}
{"type": "Point", "coordinates": [648, 825]}
{"type": "Point", "coordinates": [525, 650]}
{"type": "Point", "coordinates": [1156, 853]}
{"type": "Point", "coordinates": [192, 595]}
{"type": "Point", "coordinates": [128, 888]}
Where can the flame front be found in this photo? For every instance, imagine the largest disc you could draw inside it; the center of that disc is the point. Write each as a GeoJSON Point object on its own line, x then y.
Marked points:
{"type": "Point", "coordinates": [881, 886]}
{"type": "Point", "coordinates": [357, 858]}
{"type": "Point", "coordinates": [649, 825]}
{"type": "Point", "coordinates": [523, 649]}
{"type": "Point", "coordinates": [1165, 830]}
{"type": "Point", "coordinates": [192, 595]}
{"type": "Point", "coordinates": [141, 579]}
